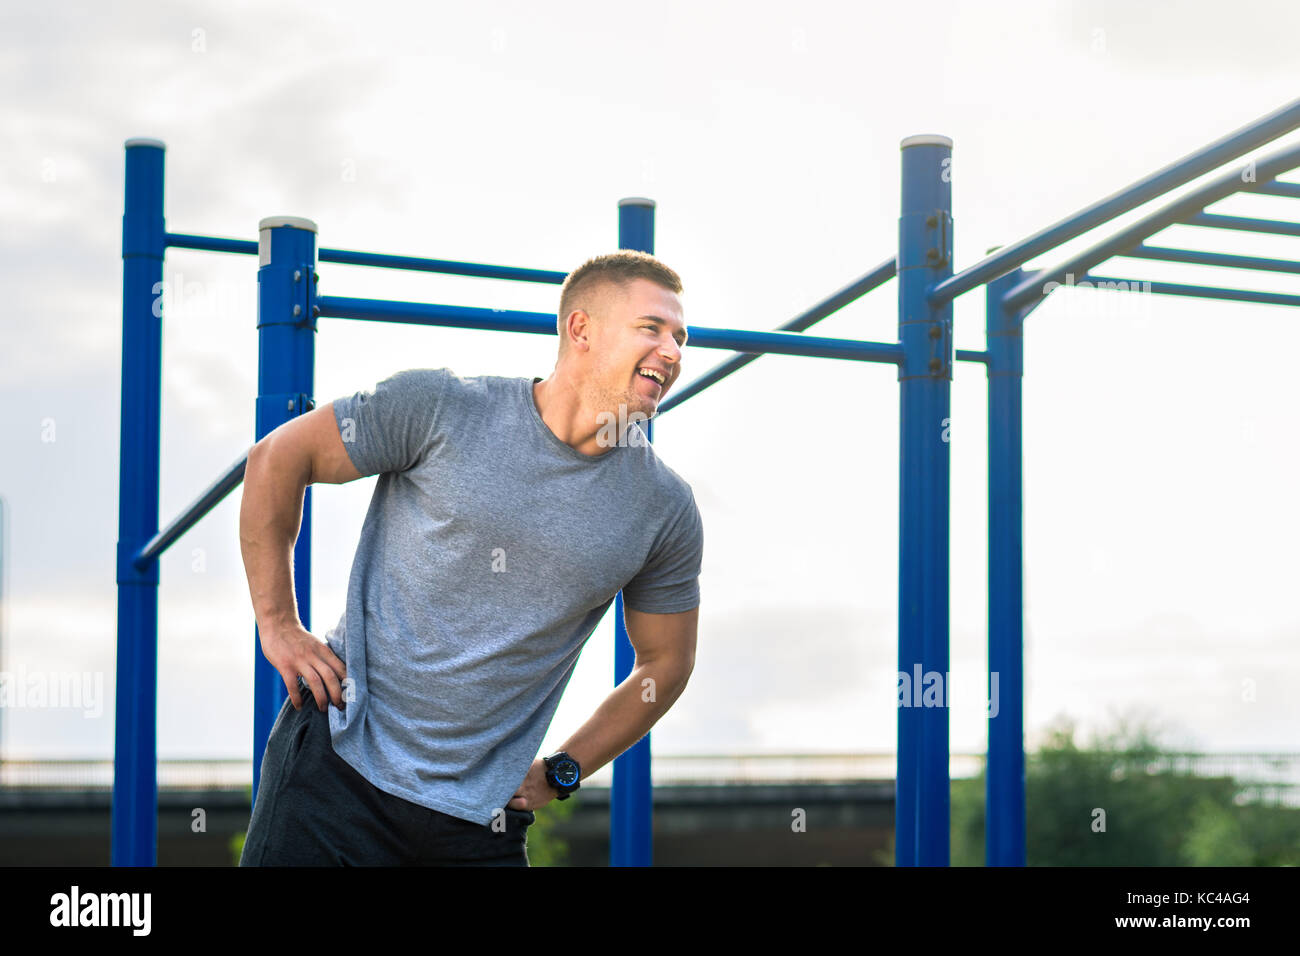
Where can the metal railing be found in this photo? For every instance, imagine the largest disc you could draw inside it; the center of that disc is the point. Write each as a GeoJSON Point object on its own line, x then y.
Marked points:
{"type": "Point", "coordinates": [1260, 776]}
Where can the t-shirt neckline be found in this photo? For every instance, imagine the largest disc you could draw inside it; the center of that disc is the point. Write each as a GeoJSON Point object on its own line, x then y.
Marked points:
{"type": "Point", "coordinates": [563, 447]}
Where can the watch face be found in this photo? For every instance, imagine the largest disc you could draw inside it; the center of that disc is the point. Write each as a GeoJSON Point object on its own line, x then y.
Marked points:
{"type": "Point", "coordinates": [566, 772]}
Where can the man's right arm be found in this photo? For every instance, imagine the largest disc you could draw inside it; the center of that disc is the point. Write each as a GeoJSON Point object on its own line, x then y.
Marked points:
{"type": "Point", "coordinates": [303, 451]}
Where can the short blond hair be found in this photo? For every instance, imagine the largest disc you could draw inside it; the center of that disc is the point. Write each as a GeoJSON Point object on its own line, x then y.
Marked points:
{"type": "Point", "coordinates": [612, 269]}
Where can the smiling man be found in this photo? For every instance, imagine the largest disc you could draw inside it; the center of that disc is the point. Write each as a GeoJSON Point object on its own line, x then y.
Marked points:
{"type": "Point", "coordinates": [505, 520]}
{"type": "Point", "coordinates": [627, 318]}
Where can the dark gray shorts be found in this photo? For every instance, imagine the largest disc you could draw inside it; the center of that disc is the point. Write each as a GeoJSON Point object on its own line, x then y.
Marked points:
{"type": "Point", "coordinates": [314, 809]}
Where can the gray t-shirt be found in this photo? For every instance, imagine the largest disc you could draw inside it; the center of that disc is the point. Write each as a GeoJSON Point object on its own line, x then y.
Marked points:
{"type": "Point", "coordinates": [490, 552]}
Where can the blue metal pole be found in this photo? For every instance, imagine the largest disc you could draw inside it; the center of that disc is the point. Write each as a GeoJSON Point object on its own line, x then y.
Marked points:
{"type": "Point", "coordinates": [1004, 816]}
{"type": "Point", "coordinates": [1197, 257]}
{"type": "Point", "coordinates": [445, 266]}
{"type": "Point", "coordinates": [1196, 291]}
{"type": "Point", "coordinates": [1243, 224]}
{"type": "Point", "coordinates": [286, 326]}
{"type": "Point", "coordinates": [925, 377]}
{"type": "Point", "coordinates": [541, 323]}
{"type": "Point", "coordinates": [1276, 188]}
{"type": "Point", "coordinates": [181, 240]}
{"type": "Point", "coordinates": [135, 751]}
{"type": "Point", "coordinates": [631, 806]}
{"type": "Point", "coordinates": [213, 496]}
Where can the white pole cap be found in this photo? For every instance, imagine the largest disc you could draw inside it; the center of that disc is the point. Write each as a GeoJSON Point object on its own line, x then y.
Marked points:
{"type": "Point", "coordinates": [273, 222]}
{"type": "Point", "coordinates": [294, 222]}
{"type": "Point", "coordinates": [926, 139]}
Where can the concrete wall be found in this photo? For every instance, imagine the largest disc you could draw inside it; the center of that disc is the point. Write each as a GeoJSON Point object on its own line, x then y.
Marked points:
{"type": "Point", "coordinates": [845, 824]}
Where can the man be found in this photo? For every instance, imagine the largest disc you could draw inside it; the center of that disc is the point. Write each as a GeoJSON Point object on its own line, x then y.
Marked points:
{"type": "Point", "coordinates": [508, 514]}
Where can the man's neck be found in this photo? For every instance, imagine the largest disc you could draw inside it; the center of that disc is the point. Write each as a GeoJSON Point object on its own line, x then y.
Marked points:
{"type": "Point", "coordinates": [563, 412]}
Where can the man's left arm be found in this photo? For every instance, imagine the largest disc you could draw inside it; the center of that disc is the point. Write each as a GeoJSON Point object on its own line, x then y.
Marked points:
{"type": "Point", "coordinates": [665, 656]}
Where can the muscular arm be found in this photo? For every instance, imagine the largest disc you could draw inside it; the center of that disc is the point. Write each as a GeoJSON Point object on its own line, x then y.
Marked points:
{"type": "Point", "coordinates": [270, 517]}
{"type": "Point", "coordinates": [665, 657]}
{"type": "Point", "coordinates": [300, 452]}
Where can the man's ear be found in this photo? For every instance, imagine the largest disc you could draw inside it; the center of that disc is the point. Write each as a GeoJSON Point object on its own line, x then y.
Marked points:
{"type": "Point", "coordinates": [580, 327]}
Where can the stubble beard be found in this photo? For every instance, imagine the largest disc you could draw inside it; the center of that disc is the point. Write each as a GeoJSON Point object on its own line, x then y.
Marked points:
{"type": "Point", "coordinates": [625, 405]}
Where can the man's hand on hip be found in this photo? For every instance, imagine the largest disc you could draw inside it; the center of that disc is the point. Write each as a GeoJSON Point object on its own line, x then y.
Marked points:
{"type": "Point", "coordinates": [293, 650]}
{"type": "Point", "coordinates": [534, 792]}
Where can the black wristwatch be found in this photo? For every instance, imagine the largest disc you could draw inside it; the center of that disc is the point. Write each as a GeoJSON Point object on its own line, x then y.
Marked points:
{"type": "Point", "coordinates": [562, 773]}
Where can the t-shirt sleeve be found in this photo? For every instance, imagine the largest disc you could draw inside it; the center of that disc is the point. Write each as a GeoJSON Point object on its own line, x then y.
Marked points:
{"type": "Point", "coordinates": [387, 427]}
{"type": "Point", "coordinates": [669, 582]}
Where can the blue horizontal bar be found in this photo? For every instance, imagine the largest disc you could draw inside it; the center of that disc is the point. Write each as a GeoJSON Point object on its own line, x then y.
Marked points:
{"type": "Point", "coordinates": [501, 320]}
{"type": "Point", "coordinates": [1201, 291]}
{"type": "Point", "coordinates": [1235, 144]}
{"type": "Point", "coordinates": [795, 343]}
{"type": "Point", "coordinates": [1196, 257]}
{"type": "Point", "coordinates": [446, 266]}
{"type": "Point", "coordinates": [1034, 286]}
{"type": "Point", "coordinates": [243, 247]}
{"type": "Point", "coordinates": [806, 319]}
{"type": "Point", "coordinates": [451, 316]}
{"type": "Point", "coordinates": [201, 505]}
{"type": "Point", "coordinates": [378, 260]}
{"type": "Point", "coordinates": [1276, 188]}
{"type": "Point", "coordinates": [1271, 226]}
{"type": "Point", "coordinates": [968, 355]}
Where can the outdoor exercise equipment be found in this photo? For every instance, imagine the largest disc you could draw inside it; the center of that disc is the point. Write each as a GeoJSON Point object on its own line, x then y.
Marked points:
{"type": "Point", "coordinates": [289, 308]}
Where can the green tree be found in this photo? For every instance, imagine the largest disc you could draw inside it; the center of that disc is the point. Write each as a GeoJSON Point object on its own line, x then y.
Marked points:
{"type": "Point", "coordinates": [1116, 803]}
{"type": "Point", "coordinates": [545, 846]}
{"type": "Point", "coordinates": [1217, 837]}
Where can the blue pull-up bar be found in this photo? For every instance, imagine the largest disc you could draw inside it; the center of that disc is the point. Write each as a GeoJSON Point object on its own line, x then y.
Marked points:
{"type": "Point", "coordinates": [1207, 158]}
{"type": "Point", "coordinates": [288, 309]}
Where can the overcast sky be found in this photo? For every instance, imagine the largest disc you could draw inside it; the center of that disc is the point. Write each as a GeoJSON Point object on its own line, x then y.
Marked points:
{"type": "Point", "coordinates": [1160, 459]}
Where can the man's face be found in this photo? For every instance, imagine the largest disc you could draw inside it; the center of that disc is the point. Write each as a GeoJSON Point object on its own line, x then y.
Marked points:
{"type": "Point", "coordinates": [640, 334]}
